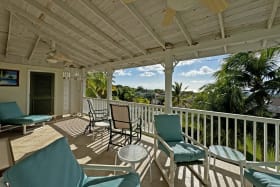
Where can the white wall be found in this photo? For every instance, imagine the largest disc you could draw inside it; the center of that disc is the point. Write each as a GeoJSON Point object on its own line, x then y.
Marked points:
{"type": "Point", "coordinates": [20, 94]}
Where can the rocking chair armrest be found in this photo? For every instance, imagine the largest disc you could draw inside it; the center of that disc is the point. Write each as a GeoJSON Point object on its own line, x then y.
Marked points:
{"type": "Point", "coordinates": [102, 167]}
{"type": "Point", "coordinates": [169, 149]}
{"type": "Point", "coordinates": [196, 142]}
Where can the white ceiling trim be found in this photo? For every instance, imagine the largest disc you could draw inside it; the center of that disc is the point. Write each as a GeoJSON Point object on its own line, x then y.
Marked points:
{"type": "Point", "coordinates": [183, 29]}
{"type": "Point", "coordinates": [221, 24]}
{"type": "Point", "coordinates": [131, 8]}
{"type": "Point", "coordinates": [9, 32]}
{"type": "Point", "coordinates": [271, 18]}
{"type": "Point", "coordinates": [113, 25]}
{"type": "Point", "coordinates": [74, 29]}
{"type": "Point", "coordinates": [91, 26]}
{"type": "Point", "coordinates": [30, 54]}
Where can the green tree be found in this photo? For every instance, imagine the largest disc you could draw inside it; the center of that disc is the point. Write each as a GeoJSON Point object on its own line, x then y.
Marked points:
{"type": "Point", "coordinates": [96, 85]}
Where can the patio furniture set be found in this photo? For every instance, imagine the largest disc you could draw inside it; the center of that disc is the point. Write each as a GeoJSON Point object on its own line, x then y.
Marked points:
{"type": "Point", "coordinates": [35, 170]}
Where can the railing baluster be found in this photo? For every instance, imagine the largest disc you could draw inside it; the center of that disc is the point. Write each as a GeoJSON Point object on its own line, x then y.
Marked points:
{"type": "Point", "coordinates": [254, 140]}
{"type": "Point", "coordinates": [198, 128]}
{"type": "Point", "coordinates": [235, 133]}
{"type": "Point", "coordinates": [227, 131]}
{"type": "Point", "coordinates": [149, 119]}
{"type": "Point", "coordinates": [277, 143]}
{"type": "Point", "coordinates": [211, 130]}
{"type": "Point", "coordinates": [245, 138]}
{"type": "Point", "coordinates": [192, 125]}
{"type": "Point", "coordinates": [187, 123]}
{"type": "Point", "coordinates": [204, 130]}
{"type": "Point", "coordinates": [265, 141]}
{"type": "Point", "coordinates": [219, 130]}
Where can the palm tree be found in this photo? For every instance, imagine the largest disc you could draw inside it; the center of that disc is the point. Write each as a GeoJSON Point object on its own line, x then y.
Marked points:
{"type": "Point", "coordinates": [96, 85]}
{"type": "Point", "coordinates": [177, 93]}
{"type": "Point", "coordinates": [257, 74]}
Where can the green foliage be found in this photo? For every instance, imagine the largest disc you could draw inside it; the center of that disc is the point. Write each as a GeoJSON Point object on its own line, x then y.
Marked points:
{"type": "Point", "coordinates": [96, 85]}
{"type": "Point", "coordinates": [244, 84]}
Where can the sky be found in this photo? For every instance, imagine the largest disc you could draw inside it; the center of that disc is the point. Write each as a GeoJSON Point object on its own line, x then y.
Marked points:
{"type": "Point", "coordinates": [193, 74]}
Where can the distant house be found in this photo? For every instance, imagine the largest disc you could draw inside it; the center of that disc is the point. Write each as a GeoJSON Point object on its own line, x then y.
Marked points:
{"type": "Point", "coordinates": [274, 107]}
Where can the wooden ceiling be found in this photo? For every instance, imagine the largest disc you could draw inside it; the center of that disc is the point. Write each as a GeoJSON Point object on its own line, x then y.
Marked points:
{"type": "Point", "coordinates": [110, 34]}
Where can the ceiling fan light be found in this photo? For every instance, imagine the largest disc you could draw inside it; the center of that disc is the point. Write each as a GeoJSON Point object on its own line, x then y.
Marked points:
{"type": "Point", "coordinates": [51, 60]}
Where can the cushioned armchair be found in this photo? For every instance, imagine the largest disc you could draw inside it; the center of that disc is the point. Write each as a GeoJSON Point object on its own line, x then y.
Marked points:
{"type": "Point", "coordinates": [56, 166]}
{"type": "Point", "coordinates": [170, 139]}
{"type": "Point", "coordinates": [259, 174]}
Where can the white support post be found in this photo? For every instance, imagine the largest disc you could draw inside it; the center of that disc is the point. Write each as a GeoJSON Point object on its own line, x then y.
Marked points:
{"type": "Point", "coordinates": [168, 65]}
{"type": "Point", "coordinates": [109, 84]}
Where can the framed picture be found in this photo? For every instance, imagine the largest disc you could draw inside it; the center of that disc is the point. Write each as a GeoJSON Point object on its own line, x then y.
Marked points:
{"type": "Point", "coordinates": [9, 77]}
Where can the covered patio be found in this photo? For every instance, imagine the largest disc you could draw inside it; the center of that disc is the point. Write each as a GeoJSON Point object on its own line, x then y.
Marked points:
{"type": "Point", "coordinates": [68, 38]}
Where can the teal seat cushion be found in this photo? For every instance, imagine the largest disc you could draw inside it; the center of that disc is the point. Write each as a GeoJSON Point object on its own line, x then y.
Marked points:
{"type": "Point", "coordinates": [261, 179]}
{"type": "Point", "coordinates": [184, 152]}
{"type": "Point", "coordinates": [28, 119]}
{"type": "Point", "coordinates": [52, 166]}
{"type": "Point", "coordinates": [9, 110]}
{"type": "Point", "coordinates": [168, 127]}
{"type": "Point", "coordinates": [131, 179]}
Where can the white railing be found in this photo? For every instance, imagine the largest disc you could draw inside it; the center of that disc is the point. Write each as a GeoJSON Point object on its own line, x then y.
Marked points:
{"type": "Point", "coordinates": [259, 135]}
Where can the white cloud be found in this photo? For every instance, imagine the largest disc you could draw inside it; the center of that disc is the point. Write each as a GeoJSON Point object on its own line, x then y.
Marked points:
{"type": "Point", "coordinates": [204, 70]}
{"type": "Point", "coordinates": [153, 68]}
{"type": "Point", "coordinates": [122, 72]}
{"type": "Point", "coordinates": [187, 62]}
{"type": "Point", "coordinates": [147, 74]}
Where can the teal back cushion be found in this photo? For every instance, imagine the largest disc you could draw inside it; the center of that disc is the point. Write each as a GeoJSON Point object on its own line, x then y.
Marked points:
{"type": "Point", "coordinates": [9, 110]}
{"type": "Point", "coordinates": [168, 127]}
{"type": "Point", "coordinates": [52, 166]}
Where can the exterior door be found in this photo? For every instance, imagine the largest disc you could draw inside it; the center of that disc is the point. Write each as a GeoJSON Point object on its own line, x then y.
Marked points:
{"type": "Point", "coordinates": [41, 93]}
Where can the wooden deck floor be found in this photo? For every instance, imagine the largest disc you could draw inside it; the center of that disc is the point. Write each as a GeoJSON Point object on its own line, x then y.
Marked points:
{"type": "Point", "coordinates": [88, 151]}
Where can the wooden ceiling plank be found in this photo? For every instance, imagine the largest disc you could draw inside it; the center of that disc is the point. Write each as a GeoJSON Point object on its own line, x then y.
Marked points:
{"type": "Point", "coordinates": [113, 25]}
{"type": "Point", "coordinates": [40, 28]}
{"type": "Point", "coordinates": [243, 37]}
{"type": "Point", "coordinates": [33, 48]}
{"type": "Point", "coordinates": [131, 8]}
{"type": "Point", "coordinates": [9, 33]}
{"type": "Point", "coordinates": [183, 28]}
{"type": "Point", "coordinates": [74, 29]}
{"type": "Point", "coordinates": [91, 26]}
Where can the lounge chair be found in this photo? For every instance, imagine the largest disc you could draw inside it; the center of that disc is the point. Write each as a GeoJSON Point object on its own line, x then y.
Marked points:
{"type": "Point", "coordinates": [11, 117]}
{"type": "Point", "coordinates": [56, 166]}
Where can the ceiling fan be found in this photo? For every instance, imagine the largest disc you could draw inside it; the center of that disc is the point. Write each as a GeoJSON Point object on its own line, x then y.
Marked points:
{"type": "Point", "coordinates": [216, 6]}
{"type": "Point", "coordinates": [54, 57]}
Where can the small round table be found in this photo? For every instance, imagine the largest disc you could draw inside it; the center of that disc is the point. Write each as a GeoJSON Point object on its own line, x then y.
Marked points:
{"type": "Point", "coordinates": [228, 154]}
{"type": "Point", "coordinates": [133, 154]}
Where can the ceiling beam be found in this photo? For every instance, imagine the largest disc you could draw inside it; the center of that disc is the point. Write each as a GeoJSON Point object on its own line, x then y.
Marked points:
{"type": "Point", "coordinates": [91, 26]}
{"type": "Point", "coordinates": [74, 29]}
{"type": "Point", "coordinates": [271, 18]}
{"type": "Point", "coordinates": [112, 24]}
{"type": "Point", "coordinates": [222, 28]}
{"type": "Point", "coordinates": [183, 28]}
{"type": "Point", "coordinates": [131, 8]}
{"type": "Point", "coordinates": [9, 33]}
{"type": "Point", "coordinates": [235, 39]}
{"type": "Point", "coordinates": [33, 48]}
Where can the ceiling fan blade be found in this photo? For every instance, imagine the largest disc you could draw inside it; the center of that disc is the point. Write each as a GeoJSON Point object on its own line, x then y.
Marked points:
{"type": "Point", "coordinates": [128, 1]}
{"type": "Point", "coordinates": [216, 6]}
{"type": "Point", "coordinates": [168, 16]}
